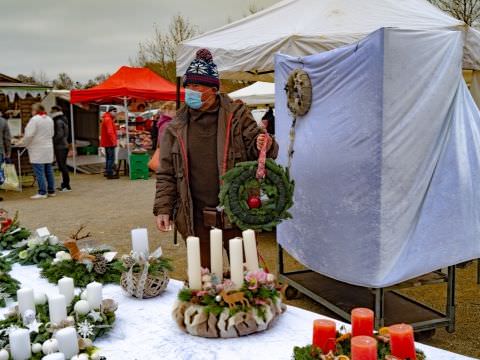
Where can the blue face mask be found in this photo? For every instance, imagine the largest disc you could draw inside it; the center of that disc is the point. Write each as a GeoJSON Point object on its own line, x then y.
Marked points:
{"type": "Point", "coordinates": [193, 99]}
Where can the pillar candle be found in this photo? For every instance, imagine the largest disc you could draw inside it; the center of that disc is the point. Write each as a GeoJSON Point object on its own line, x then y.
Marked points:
{"type": "Point", "coordinates": [250, 245]}
{"type": "Point", "coordinates": [66, 288]}
{"type": "Point", "coordinates": [193, 263]}
{"type": "Point", "coordinates": [94, 295]}
{"type": "Point", "coordinates": [216, 253]}
{"type": "Point", "coordinates": [324, 335]}
{"type": "Point", "coordinates": [364, 348]}
{"type": "Point", "coordinates": [140, 242]}
{"type": "Point", "coordinates": [57, 308]}
{"type": "Point", "coordinates": [236, 262]}
{"type": "Point", "coordinates": [54, 356]}
{"type": "Point", "coordinates": [402, 344]}
{"type": "Point", "coordinates": [67, 341]}
{"type": "Point", "coordinates": [362, 322]}
{"type": "Point", "coordinates": [26, 300]}
{"type": "Point", "coordinates": [20, 348]}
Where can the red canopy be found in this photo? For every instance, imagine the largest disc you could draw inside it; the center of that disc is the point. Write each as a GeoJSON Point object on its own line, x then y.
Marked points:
{"type": "Point", "coordinates": [130, 82]}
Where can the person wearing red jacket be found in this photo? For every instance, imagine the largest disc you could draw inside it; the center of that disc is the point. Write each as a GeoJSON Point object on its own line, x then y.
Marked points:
{"type": "Point", "coordinates": [108, 140]}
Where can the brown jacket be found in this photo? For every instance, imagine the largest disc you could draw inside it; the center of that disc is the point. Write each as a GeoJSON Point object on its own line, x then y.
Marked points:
{"type": "Point", "coordinates": [173, 187]}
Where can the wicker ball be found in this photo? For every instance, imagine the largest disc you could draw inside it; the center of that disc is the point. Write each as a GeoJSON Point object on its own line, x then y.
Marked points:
{"type": "Point", "coordinates": [100, 264]}
{"type": "Point", "coordinates": [154, 285]}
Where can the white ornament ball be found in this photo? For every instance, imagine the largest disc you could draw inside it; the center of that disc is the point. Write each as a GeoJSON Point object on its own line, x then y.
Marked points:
{"type": "Point", "coordinates": [95, 356]}
{"type": "Point", "coordinates": [36, 348]}
{"type": "Point", "coordinates": [4, 355]}
{"type": "Point", "coordinates": [40, 298]}
{"type": "Point", "coordinates": [81, 307]}
{"type": "Point", "coordinates": [83, 295]}
{"type": "Point", "coordinates": [50, 346]}
{"type": "Point", "coordinates": [218, 298]}
{"type": "Point", "coordinates": [83, 357]}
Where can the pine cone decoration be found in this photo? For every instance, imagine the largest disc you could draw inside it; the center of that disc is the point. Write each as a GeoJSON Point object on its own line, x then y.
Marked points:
{"type": "Point", "coordinates": [128, 261]}
{"type": "Point", "coordinates": [100, 264]}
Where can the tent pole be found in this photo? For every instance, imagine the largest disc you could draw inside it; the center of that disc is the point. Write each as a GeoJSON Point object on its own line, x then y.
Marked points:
{"type": "Point", "coordinates": [178, 91]}
{"type": "Point", "coordinates": [74, 147]}
{"type": "Point", "coordinates": [125, 104]}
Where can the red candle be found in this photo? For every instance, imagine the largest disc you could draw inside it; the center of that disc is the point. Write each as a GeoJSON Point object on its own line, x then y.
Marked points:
{"type": "Point", "coordinates": [402, 344]}
{"type": "Point", "coordinates": [324, 335]}
{"type": "Point", "coordinates": [364, 348]}
{"type": "Point", "coordinates": [362, 322]}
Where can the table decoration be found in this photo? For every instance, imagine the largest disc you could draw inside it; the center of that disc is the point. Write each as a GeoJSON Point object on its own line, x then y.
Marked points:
{"type": "Point", "coordinates": [248, 302]}
{"type": "Point", "coordinates": [144, 275]}
{"type": "Point", "coordinates": [389, 343]}
{"type": "Point", "coordinates": [83, 265]}
{"type": "Point", "coordinates": [10, 231]}
{"type": "Point", "coordinates": [35, 250]}
{"type": "Point", "coordinates": [5, 265]}
{"type": "Point", "coordinates": [8, 288]}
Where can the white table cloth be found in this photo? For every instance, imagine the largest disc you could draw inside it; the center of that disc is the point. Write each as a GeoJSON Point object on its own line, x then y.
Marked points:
{"type": "Point", "coordinates": [144, 330]}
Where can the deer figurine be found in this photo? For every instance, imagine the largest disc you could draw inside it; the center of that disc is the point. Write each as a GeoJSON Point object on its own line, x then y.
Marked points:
{"type": "Point", "coordinates": [71, 245]}
{"type": "Point", "coordinates": [234, 298]}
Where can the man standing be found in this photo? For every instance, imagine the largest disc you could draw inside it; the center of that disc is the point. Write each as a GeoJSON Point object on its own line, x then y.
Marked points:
{"type": "Point", "coordinates": [209, 135]}
{"type": "Point", "coordinates": [108, 139]}
{"type": "Point", "coordinates": [5, 141]}
{"type": "Point", "coordinates": [38, 140]}
{"type": "Point", "coordinates": [60, 145]}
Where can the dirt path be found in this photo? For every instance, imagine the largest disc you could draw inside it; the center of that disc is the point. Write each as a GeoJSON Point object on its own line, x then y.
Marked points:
{"type": "Point", "coordinates": [111, 208]}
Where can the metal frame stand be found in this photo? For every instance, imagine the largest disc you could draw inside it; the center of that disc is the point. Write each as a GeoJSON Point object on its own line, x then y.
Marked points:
{"type": "Point", "coordinates": [381, 296]}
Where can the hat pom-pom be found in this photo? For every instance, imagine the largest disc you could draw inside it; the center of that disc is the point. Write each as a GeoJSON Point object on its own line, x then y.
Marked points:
{"type": "Point", "coordinates": [205, 55]}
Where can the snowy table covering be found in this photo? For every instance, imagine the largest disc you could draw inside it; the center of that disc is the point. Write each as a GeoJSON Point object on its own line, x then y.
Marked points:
{"type": "Point", "coordinates": [144, 330]}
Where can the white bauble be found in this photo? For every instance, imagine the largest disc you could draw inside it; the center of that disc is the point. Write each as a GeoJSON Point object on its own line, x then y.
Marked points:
{"type": "Point", "coordinates": [50, 346]}
{"type": "Point", "coordinates": [83, 357]}
{"type": "Point", "coordinates": [36, 348]}
{"type": "Point", "coordinates": [82, 307]}
{"type": "Point", "coordinates": [95, 356]}
{"type": "Point", "coordinates": [83, 295]}
{"type": "Point", "coordinates": [4, 355]}
{"type": "Point", "coordinates": [40, 298]}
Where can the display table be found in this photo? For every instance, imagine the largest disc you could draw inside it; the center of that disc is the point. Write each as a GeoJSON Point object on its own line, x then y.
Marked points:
{"type": "Point", "coordinates": [145, 330]}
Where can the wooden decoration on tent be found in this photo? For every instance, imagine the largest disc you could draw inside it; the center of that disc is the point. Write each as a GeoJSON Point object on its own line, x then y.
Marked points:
{"type": "Point", "coordinates": [299, 92]}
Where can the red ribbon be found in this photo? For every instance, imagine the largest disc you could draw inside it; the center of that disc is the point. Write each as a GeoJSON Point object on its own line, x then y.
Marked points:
{"type": "Point", "coordinates": [262, 158]}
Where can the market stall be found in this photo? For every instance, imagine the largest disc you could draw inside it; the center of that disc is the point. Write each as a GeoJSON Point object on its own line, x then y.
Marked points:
{"type": "Point", "coordinates": [259, 93]}
{"type": "Point", "coordinates": [125, 85]}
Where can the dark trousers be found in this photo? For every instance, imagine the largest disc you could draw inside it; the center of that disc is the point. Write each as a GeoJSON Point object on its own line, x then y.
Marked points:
{"type": "Point", "coordinates": [203, 232]}
{"type": "Point", "coordinates": [110, 159]}
{"type": "Point", "coordinates": [61, 157]}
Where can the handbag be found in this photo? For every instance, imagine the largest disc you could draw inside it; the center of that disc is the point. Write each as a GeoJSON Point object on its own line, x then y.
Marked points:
{"type": "Point", "coordinates": [154, 162]}
{"type": "Point", "coordinates": [11, 179]}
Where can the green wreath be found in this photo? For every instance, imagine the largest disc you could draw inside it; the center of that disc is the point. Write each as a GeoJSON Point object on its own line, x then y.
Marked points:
{"type": "Point", "coordinates": [8, 288]}
{"type": "Point", "coordinates": [253, 204]}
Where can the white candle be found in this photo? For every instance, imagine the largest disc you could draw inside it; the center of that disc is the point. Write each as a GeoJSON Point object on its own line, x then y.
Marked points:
{"type": "Point", "coordinates": [26, 300]}
{"type": "Point", "coordinates": [66, 288]}
{"type": "Point", "coordinates": [54, 356]}
{"type": "Point", "coordinates": [67, 341]}
{"type": "Point", "coordinates": [216, 253]}
{"type": "Point", "coordinates": [236, 262]}
{"type": "Point", "coordinates": [140, 242]}
{"type": "Point", "coordinates": [94, 295]}
{"type": "Point", "coordinates": [193, 263]}
{"type": "Point", "coordinates": [57, 308]}
{"type": "Point", "coordinates": [20, 348]}
{"type": "Point", "coordinates": [250, 246]}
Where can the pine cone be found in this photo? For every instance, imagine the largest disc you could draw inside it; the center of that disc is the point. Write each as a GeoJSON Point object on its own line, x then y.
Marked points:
{"type": "Point", "coordinates": [100, 264]}
{"type": "Point", "coordinates": [128, 261]}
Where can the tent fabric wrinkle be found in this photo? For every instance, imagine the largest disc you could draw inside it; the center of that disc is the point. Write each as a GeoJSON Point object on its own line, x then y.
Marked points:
{"type": "Point", "coordinates": [396, 143]}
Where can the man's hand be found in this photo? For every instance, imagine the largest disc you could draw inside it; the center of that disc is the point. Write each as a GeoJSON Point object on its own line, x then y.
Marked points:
{"type": "Point", "coordinates": [261, 141]}
{"type": "Point", "coordinates": [163, 222]}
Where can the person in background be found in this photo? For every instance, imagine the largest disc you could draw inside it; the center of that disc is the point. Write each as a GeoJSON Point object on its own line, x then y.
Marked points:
{"type": "Point", "coordinates": [194, 155]}
{"type": "Point", "coordinates": [5, 141]}
{"type": "Point", "coordinates": [38, 140]}
{"type": "Point", "coordinates": [167, 114]}
{"type": "Point", "coordinates": [60, 145]}
{"type": "Point", "coordinates": [108, 140]}
{"type": "Point", "coordinates": [268, 121]}
{"type": "Point", "coordinates": [140, 126]}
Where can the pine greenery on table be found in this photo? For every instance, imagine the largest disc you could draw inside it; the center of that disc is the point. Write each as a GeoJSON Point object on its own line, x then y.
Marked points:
{"type": "Point", "coordinates": [8, 288]}
{"type": "Point", "coordinates": [5, 265]}
{"type": "Point", "coordinates": [13, 236]}
{"type": "Point", "coordinates": [82, 273]}
{"type": "Point", "coordinates": [36, 251]}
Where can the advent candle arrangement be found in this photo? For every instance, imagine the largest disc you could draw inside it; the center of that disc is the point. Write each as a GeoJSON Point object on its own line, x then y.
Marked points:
{"type": "Point", "coordinates": [26, 300]}
{"type": "Point", "coordinates": [250, 246]}
{"type": "Point", "coordinates": [67, 341]}
{"type": "Point", "coordinates": [236, 262]}
{"type": "Point", "coordinates": [20, 348]}
{"type": "Point", "coordinates": [66, 287]}
{"type": "Point", "coordinates": [57, 308]}
{"type": "Point", "coordinates": [94, 295]}
{"type": "Point", "coordinates": [324, 335]}
{"type": "Point", "coordinates": [402, 343]}
{"type": "Point", "coordinates": [364, 348]}
{"type": "Point", "coordinates": [140, 242]}
{"type": "Point", "coordinates": [362, 322]}
{"type": "Point", "coordinates": [193, 261]}
{"type": "Point", "coordinates": [216, 253]}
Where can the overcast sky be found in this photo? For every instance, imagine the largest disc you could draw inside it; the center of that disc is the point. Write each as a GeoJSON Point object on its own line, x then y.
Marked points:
{"type": "Point", "coordinates": [87, 37]}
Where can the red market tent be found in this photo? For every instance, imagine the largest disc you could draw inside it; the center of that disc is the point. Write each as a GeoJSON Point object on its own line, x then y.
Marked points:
{"type": "Point", "coordinates": [130, 83]}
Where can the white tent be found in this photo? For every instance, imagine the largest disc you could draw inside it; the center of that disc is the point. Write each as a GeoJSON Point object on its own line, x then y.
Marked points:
{"type": "Point", "coordinates": [245, 49]}
{"type": "Point", "coordinates": [256, 94]}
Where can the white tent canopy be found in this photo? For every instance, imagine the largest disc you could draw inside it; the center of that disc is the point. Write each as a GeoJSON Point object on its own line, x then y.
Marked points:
{"type": "Point", "coordinates": [245, 49]}
{"type": "Point", "coordinates": [256, 94]}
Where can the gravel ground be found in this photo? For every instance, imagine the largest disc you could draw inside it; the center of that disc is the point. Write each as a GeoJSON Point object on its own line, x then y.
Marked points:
{"type": "Point", "coordinates": [110, 208]}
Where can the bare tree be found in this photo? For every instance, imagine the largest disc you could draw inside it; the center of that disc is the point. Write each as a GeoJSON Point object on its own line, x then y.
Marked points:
{"type": "Point", "coordinates": [63, 82]}
{"type": "Point", "coordinates": [160, 52]}
{"type": "Point", "coordinates": [466, 10]}
{"type": "Point", "coordinates": [36, 78]}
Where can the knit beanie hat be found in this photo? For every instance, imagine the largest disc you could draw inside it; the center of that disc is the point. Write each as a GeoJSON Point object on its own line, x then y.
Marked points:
{"type": "Point", "coordinates": [202, 70]}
